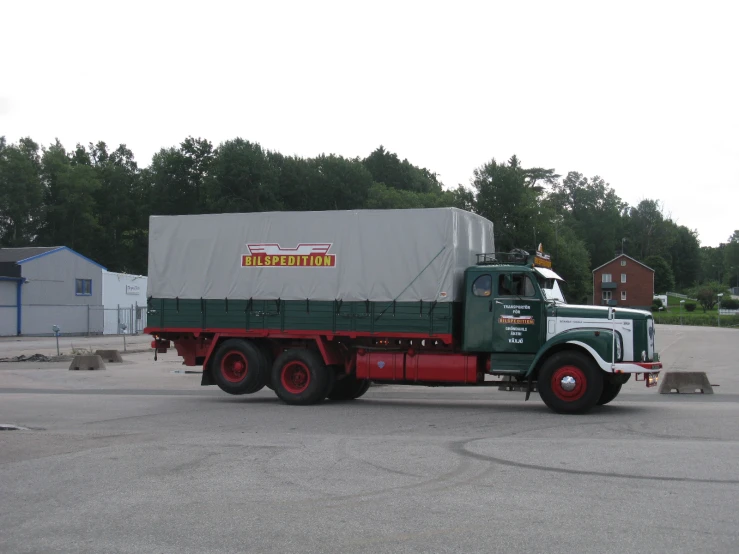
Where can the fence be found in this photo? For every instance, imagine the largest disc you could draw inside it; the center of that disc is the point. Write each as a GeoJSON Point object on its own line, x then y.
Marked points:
{"type": "Point", "coordinates": [72, 319]}
{"type": "Point", "coordinates": [129, 320]}
{"type": "Point", "coordinates": [684, 296]}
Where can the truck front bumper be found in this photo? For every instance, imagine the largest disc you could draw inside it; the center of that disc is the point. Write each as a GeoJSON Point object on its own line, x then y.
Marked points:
{"type": "Point", "coordinates": [649, 371]}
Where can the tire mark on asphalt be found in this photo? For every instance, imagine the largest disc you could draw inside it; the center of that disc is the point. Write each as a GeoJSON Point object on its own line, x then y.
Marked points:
{"type": "Point", "coordinates": [631, 431]}
{"type": "Point", "coordinates": [460, 449]}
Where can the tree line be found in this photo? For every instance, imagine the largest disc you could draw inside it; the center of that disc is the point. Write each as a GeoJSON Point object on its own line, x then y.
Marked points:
{"type": "Point", "coordinates": [97, 201]}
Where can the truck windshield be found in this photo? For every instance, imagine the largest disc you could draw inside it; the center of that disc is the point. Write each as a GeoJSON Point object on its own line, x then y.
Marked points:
{"type": "Point", "coordinates": [551, 290]}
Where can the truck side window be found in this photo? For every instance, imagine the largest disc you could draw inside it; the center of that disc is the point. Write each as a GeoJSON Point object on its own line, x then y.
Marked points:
{"type": "Point", "coordinates": [515, 284]}
{"type": "Point", "coordinates": [483, 286]}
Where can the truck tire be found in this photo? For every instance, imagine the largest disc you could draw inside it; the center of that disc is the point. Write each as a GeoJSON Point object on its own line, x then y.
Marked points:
{"type": "Point", "coordinates": [300, 377]}
{"type": "Point", "coordinates": [570, 382]}
{"type": "Point", "coordinates": [610, 391]}
{"type": "Point", "coordinates": [239, 367]}
{"type": "Point", "coordinates": [349, 388]}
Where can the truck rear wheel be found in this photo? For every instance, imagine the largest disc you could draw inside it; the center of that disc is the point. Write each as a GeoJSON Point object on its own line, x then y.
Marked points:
{"type": "Point", "coordinates": [610, 391]}
{"type": "Point", "coordinates": [239, 367]}
{"type": "Point", "coordinates": [570, 383]}
{"type": "Point", "coordinates": [349, 388]}
{"type": "Point", "coordinates": [300, 377]}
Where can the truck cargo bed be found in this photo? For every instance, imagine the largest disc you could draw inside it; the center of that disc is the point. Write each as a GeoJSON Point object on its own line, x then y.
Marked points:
{"type": "Point", "coordinates": [432, 319]}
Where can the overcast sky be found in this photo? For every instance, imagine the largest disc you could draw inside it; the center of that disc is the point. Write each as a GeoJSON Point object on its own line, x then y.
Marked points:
{"type": "Point", "coordinates": [644, 94]}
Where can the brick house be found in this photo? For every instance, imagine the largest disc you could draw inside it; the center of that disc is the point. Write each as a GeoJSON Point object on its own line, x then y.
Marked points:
{"type": "Point", "coordinates": [624, 282]}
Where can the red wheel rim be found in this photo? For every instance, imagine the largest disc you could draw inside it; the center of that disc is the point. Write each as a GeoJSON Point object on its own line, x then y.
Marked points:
{"type": "Point", "coordinates": [295, 377]}
{"type": "Point", "coordinates": [234, 367]}
{"type": "Point", "coordinates": [569, 383]}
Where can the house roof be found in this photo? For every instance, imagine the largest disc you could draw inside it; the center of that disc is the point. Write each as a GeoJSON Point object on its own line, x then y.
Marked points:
{"type": "Point", "coordinates": [622, 256]}
{"type": "Point", "coordinates": [22, 254]}
{"type": "Point", "coordinates": [10, 257]}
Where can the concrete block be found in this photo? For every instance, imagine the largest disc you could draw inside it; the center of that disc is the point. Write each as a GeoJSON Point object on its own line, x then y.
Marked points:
{"type": "Point", "coordinates": [87, 362]}
{"type": "Point", "coordinates": [110, 356]}
{"type": "Point", "coordinates": [684, 382]}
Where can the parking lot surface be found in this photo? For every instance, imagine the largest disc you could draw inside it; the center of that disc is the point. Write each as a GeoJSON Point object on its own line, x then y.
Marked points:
{"type": "Point", "coordinates": [140, 458]}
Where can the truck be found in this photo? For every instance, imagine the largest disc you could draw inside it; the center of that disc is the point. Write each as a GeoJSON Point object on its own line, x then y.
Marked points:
{"type": "Point", "coordinates": [319, 305]}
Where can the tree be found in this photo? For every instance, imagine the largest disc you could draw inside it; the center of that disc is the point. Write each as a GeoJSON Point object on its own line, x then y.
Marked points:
{"type": "Point", "coordinates": [242, 179]}
{"type": "Point", "coordinates": [509, 195]}
{"type": "Point", "coordinates": [712, 263]}
{"type": "Point", "coordinates": [664, 280]}
{"type": "Point", "coordinates": [686, 257]}
{"type": "Point", "coordinates": [707, 294]}
{"type": "Point", "coordinates": [71, 208]}
{"type": "Point", "coordinates": [177, 177]}
{"type": "Point", "coordinates": [593, 210]}
{"type": "Point", "coordinates": [118, 173]}
{"type": "Point", "coordinates": [731, 259]}
{"type": "Point", "coordinates": [385, 167]}
{"type": "Point", "coordinates": [21, 193]}
{"type": "Point", "coordinates": [648, 232]}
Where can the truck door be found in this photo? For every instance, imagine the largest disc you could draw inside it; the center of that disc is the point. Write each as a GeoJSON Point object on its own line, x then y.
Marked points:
{"type": "Point", "coordinates": [518, 314]}
{"type": "Point", "coordinates": [477, 333]}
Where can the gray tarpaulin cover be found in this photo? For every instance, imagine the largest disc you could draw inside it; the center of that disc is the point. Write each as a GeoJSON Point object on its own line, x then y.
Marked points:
{"type": "Point", "coordinates": [377, 255]}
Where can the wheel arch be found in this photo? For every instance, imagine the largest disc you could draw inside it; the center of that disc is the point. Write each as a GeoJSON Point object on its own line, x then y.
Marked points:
{"type": "Point", "coordinates": [591, 342]}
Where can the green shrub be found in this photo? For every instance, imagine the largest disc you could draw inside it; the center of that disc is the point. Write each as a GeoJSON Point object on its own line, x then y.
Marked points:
{"type": "Point", "coordinates": [730, 304]}
{"type": "Point", "coordinates": [690, 306]}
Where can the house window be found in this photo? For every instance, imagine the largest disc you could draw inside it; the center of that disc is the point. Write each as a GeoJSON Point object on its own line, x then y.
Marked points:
{"type": "Point", "coordinates": [607, 295]}
{"type": "Point", "coordinates": [623, 295]}
{"type": "Point", "coordinates": [623, 277]}
{"type": "Point", "coordinates": [606, 277]}
{"type": "Point", "coordinates": [83, 287]}
{"type": "Point", "coordinates": [623, 263]}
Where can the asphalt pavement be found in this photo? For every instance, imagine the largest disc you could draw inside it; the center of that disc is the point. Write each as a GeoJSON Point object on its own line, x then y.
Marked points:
{"type": "Point", "coordinates": [140, 458]}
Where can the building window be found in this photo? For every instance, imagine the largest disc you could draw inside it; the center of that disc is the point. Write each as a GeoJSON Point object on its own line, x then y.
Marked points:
{"type": "Point", "coordinates": [623, 277]}
{"type": "Point", "coordinates": [607, 295]}
{"type": "Point", "coordinates": [623, 263]}
{"type": "Point", "coordinates": [83, 287]}
{"type": "Point", "coordinates": [483, 286]}
{"type": "Point", "coordinates": [606, 277]}
{"type": "Point", "coordinates": [623, 295]}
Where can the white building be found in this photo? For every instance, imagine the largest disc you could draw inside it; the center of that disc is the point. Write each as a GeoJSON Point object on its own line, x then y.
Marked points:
{"type": "Point", "coordinates": [124, 300]}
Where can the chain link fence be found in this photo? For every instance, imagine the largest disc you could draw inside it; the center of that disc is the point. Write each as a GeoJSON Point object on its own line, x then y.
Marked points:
{"type": "Point", "coordinates": [73, 319]}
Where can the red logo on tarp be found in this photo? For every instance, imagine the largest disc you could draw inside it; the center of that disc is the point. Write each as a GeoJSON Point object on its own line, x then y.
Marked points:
{"type": "Point", "coordinates": [303, 255]}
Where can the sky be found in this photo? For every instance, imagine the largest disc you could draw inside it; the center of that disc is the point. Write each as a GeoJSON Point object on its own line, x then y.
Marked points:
{"type": "Point", "coordinates": [643, 94]}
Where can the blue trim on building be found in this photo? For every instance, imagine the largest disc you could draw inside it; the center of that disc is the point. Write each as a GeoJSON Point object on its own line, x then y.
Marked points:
{"type": "Point", "coordinates": [37, 256]}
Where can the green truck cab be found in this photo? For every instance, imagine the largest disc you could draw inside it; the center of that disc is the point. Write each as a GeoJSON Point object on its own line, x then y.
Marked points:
{"type": "Point", "coordinates": [514, 310]}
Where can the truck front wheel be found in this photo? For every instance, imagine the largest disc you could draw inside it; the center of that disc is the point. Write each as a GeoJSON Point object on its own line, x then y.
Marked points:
{"type": "Point", "coordinates": [299, 376]}
{"type": "Point", "coordinates": [610, 391]}
{"type": "Point", "coordinates": [570, 383]}
{"type": "Point", "coordinates": [238, 367]}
